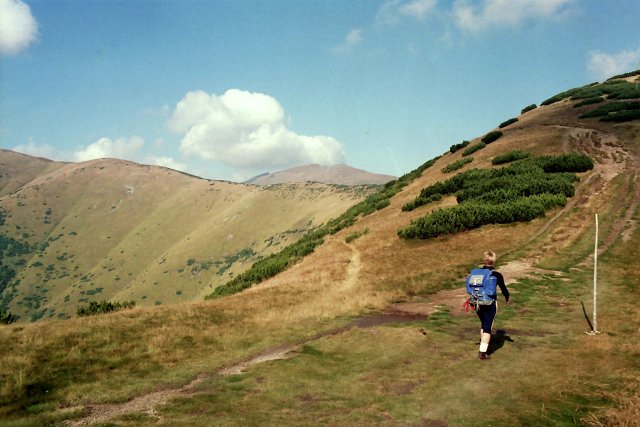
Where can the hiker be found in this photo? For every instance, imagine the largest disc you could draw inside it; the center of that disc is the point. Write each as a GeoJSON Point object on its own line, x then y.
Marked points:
{"type": "Point", "coordinates": [486, 303]}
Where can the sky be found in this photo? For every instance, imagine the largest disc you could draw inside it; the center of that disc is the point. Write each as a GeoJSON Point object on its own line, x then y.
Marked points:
{"type": "Point", "coordinates": [229, 89]}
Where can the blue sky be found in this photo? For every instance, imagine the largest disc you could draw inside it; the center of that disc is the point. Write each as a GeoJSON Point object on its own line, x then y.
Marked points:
{"type": "Point", "coordinates": [231, 89]}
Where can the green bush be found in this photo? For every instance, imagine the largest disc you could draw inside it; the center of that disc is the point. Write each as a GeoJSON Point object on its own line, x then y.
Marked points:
{"type": "Point", "coordinates": [458, 164]}
{"type": "Point", "coordinates": [519, 192]}
{"type": "Point", "coordinates": [528, 108]}
{"type": "Point", "coordinates": [613, 89]}
{"type": "Point", "coordinates": [509, 157]}
{"type": "Point", "coordinates": [456, 147]}
{"type": "Point", "coordinates": [615, 111]}
{"type": "Point", "coordinates": [356, 235]}
{"type": "Point", "coordinates": [103, 307]}
{"type": "Point", "coordinates": [625, 75]}
{"type": "Point", "coordinates": [469, 216]}
{"type": "Point", "coordinates": [491, 136]}
{"type": "Point", "coordinates": [507, 122]}
{"type": "Point", "coordinates": [472, 149]}
{"type": "Point", "coordinates": [623, 116]}
{"type": "Point", "coordinates": [589, 101]}
{"type": "Point", "coordinates": [6, 317]}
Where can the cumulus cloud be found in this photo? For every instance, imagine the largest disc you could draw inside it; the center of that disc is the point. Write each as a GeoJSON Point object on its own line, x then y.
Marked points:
{"type": "Point", "coordinates": [245, 129]}
{"type": "Point", "coordinates": [18, 28]}
{"type": "Point", "coordinates": [393, 11]}
{"type": "Point", "coordinates": [604, 65]}
{"type": "Point", "coordinates": [500, 13]}
{"type": "Point", "coordinates": [167, 162]}
{"type": "Point", "coordinates": [121, 148]}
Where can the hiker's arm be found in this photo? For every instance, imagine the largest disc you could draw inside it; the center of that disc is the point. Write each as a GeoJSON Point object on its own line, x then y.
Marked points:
{"type": "Point", "coordinates": [503, 287]}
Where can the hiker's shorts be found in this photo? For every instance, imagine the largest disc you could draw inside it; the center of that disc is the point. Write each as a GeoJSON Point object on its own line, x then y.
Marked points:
{"type": "Point", "coordinates": [487, 313]}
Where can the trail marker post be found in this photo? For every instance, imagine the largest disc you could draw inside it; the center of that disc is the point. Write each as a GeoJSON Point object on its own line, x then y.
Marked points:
{"type": "Point", "coordinates": [595, 284]}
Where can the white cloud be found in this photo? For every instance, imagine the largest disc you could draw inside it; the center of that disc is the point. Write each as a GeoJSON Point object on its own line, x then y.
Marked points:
{"type": "Point", "coordinates": [353, 38]}
{"type": "Point", "coordinates": [500, 13]}
{"type": "Point", "coordinates": [39, 150]}
{"type": "Point", "coordinates": [248, 130]}
{"type": "Point", "coordinates": [121, 148]}
{"type": "Point", "coordinates": [604, 65]}
{"type": "Point", "coordinates": [18, 28]}
{"type": "Point", "coordinates": [167, 162]}
{"type": "Point", "coordinates": [392, 11]}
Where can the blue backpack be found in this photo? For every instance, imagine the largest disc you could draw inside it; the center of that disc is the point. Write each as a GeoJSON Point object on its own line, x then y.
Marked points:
{"type": "Point", "coordinates": [481, 287]}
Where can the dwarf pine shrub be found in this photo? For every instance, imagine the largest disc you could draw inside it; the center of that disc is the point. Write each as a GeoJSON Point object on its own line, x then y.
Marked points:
{"type": "Point", "coordinates": [6, 317]}
{"type": "Point", "coordinates": [519, 192]}
{"type": "Point", "coordinates": [507, 122]}
{"type": "Point", "coordinates": [615, 111]}
{"type": "Point", "coordinates": [472, 149]}
{"type": "Point", "coordinates": [492, 136]}
{"type": "Point", "coordinates": [613, 89]}
{"type": "Point", "coordinates": [528, 108]}
{"type": "Point", "coordinates": [456, 147]}
{"type": "Point", "coordinates": [103, 307]}
{"type": "Point", "coordinates": [589, 101]}
{"type": "Point", "coordinates": [458, 164]}
{"type": "Point", "coordinates": [509, 157]}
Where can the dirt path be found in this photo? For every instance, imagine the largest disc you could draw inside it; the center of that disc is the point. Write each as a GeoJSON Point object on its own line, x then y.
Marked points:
{"type": "Point", "coordinates": [147, 403]}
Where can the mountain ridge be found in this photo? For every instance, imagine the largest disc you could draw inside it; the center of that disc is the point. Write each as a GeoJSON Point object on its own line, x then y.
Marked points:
{"type": "Point", "coordinates": [336, 174]}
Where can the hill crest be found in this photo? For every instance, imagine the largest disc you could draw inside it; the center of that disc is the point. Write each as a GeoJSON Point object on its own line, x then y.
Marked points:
{"type": "Point", "coordinates": [337, 174]}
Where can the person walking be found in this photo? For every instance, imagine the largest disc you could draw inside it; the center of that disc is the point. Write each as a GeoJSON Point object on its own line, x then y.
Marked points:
{"type": "Point", "coordinates": [487, 312]}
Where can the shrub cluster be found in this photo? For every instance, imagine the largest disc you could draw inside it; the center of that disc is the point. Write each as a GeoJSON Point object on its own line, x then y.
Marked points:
{"type": "Point", "coordinates": [528, 108]}
{"type": "Point", "coordinates": [103, 307]}
{"type": "Point", "coordinates": [589, 101]}
{"type": "Point", "coordinates": [456, 147]}
{"type": "Point", "coordinates": [278, 262]}
{"type": "Point", "coordinates": [508, 122]}
{"type": "Point", "coordinates": [616, 111]}
{"type": "Point", "coordinates": [614, 89]}
{"type": "Point", "coordinates": [356, 235]}
{"type": "Point", "coordinates": [491, 136]}
{"type": "Point", "coordinates": [521, 191]}
{"type": "Point", "coordinates": [468, 216]}
{"type": "Point", "coordinates": [625, 75]}
{"type": "Point", "coordinates": [458, 164]}
{"type": "Point", "coordinates": [509, 157]}
{"type": "Point", "coordinates": [6, 317]}
{"type": "Point", "coordinates": [473, 148]}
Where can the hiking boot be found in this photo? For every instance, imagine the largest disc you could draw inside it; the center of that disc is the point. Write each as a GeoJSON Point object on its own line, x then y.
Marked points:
{"type": "Point", "coordinates": [483, 355]}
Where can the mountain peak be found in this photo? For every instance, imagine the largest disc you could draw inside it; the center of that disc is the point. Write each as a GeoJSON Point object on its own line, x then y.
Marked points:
{"type": "Point", "coordinates": [341, 174]}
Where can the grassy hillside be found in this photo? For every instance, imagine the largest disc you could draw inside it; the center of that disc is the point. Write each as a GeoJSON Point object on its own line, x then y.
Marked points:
{"type": "Point", "coordinates": [17, 170]}
{"type": "Point", "coordinates": [314, 343]}
{"type": "Point", "coordinates": [116, 230]}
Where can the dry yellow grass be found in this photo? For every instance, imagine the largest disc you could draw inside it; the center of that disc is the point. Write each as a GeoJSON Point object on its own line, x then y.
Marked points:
{"type": "Point", "coordinates": [119, 231]}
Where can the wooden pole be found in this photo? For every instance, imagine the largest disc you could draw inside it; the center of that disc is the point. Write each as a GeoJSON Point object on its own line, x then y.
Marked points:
{"type": "Point", "coordinates": [595, 282]}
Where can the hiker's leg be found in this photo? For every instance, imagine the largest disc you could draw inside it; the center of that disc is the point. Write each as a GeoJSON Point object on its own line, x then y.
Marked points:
{"type": "Point", "coordinates": [484, 342]}
{"type": "Point", "coordinates": [486, 313]}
